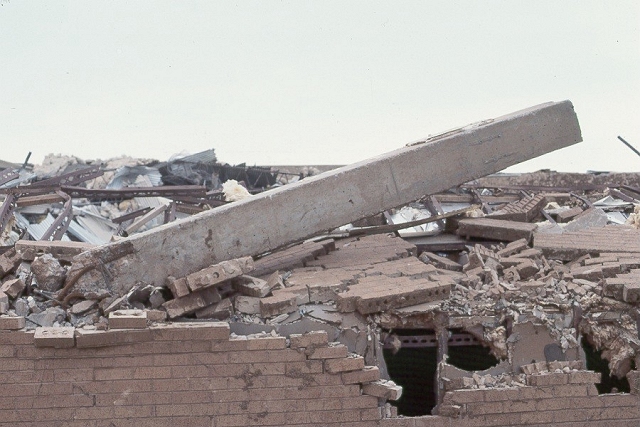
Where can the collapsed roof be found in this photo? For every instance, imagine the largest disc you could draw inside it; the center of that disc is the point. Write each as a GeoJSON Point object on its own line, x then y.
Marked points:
{"type": "Point", "coordinates": [493, 260]}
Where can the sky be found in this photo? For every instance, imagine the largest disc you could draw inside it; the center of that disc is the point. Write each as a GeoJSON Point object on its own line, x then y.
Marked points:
{"type": "Point", "coordinates": [310, 82]}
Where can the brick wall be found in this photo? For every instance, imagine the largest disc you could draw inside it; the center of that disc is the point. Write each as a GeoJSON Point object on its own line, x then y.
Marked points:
{"type": "Point", "coordinates": [197, 375]}
{"type": "Point", "coordinates": [181, 375]}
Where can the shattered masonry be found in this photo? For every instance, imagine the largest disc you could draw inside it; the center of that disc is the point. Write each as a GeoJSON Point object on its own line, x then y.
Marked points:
{"type": "Point", "coordinates": [532, 277]}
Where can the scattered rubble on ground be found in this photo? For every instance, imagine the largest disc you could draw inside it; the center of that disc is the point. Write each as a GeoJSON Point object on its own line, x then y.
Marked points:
{"type": "Point", "coordinates": [498, 259]}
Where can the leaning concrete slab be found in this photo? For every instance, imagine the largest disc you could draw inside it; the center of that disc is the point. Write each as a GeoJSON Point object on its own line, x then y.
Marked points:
{"type": "Point", "coordinates": [300, 210]}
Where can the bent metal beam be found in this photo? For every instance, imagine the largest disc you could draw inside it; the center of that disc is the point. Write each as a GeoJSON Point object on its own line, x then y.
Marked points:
{"type": "Point", "coordinates": [300, 210]}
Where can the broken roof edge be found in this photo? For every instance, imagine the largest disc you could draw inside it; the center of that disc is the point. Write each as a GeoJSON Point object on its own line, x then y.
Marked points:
{"type": "Point", "coordinates": [336, 197]}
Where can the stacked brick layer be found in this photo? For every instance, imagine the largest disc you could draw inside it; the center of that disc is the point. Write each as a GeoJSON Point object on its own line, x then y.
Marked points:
{"type": "Point", "coordinates": [195, 375]}
{"type": "Point", "coordinates": [181, 375]}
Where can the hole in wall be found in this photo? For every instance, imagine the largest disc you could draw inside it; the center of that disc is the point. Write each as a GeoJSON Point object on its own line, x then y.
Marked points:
{"type": "Point", "coordinates": [466, 352]}
{"type": "Point", "coordinates": [595, 362]}
{"type": "Point", "coordinates": [414, 368]}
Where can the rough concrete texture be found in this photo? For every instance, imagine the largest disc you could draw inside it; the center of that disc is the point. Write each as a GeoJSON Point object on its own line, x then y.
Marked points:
{"type": "Point", "coordinates": [48, 272]}
{"type": "Point", "coordinates": [349, 193]}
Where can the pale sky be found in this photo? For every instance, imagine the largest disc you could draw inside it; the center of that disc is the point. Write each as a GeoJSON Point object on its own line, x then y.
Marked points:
{"type": "Point", "coordinates": [310, 82]}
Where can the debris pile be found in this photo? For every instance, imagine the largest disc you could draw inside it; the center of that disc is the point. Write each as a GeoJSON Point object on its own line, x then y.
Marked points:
{"type": "Point", "coordinates": [486, 262]}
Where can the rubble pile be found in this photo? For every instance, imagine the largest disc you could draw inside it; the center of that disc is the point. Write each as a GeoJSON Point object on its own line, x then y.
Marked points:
{"type": "Point", "coordinates": [528, 270]}
{"type": "Point", "coordinates": [566, 272]}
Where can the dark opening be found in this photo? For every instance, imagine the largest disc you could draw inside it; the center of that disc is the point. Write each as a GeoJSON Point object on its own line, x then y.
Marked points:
{"type": "Point", "coordinates": [414, 368]}
{"type": "Point", "coordinates": [595, 362]}
{"type": "Point", "coordinates": [472, 358]}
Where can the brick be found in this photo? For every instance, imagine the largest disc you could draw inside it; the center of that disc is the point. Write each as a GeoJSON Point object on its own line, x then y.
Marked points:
{"type": "Point", "coordinates": [571, 245]}
{"type": "Point", "coordinates": [383, 389]}
{"type": "Point", "coordinates": [526, 269]}
{"type": "Point", "coordinates": [9, 261]}
{"type": "Point", "coordinates": [12, 322]}
{"type": "Point", "coordinates": [524, 210]}
{"type": "Point", "coordinates": [219, 273]}
{"type": "Point", "coordinates": [573, 390]}
{"type": "Point", "coordinates": [568, 214]}
{"type": "Point", "coordinates": [86, 338]}
{"type": "Point", "coordinates": [247, 305]}
{"type": "Point", "coordinates": [58, 337]}
{"type": "Point", "coordinates": [365, 375]}
{"type": "Point", "coordinates": [283, 302]}
{"type": "Point", "coordinates": [330, 352]}
{"type": "Point", "coordinates": [12, 287]}
{"type": "Point", "coordinates": [584, 377]}
{"type": "Point", "coordinates": [547, 379]}
{"type": "Point", "coordinates": [513, 248]}
{"type": "Point", "coordinates": [251, 286]}
{"type": "Point", "coordinates": [128, 319]}
{"type": "Point", "coordinates": [334, 366]}
{"type": "Point", "coordinates": [266, 343]}
{"type": "Point", "coordinates": [220, 311]}
{"type": "Point", "coordinates": [440, 262]}
{"type": "Point", "coordinates": [156, 315]}
{"type": "Point", "coordinates": [191, 302]}
{"type": "Point", "coordinates": [463, 396]}
{"type": "Point", "coordinates": [495, 229]}
{"type": "Point", "coordinates": [314, 338]}
{"type": "Point", "coordinates": [188, 331]}
{"type": "Point", "coordinates": [178, 287]}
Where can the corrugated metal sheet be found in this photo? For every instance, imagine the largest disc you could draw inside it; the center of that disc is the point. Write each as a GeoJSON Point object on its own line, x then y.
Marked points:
{"type": "Point", "coordinates": [36, 231]}
{"type": "Point", "coordinates": [126, 176]}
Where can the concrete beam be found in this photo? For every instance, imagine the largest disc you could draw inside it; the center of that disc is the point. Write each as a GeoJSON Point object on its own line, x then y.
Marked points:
{"type": "Point", "coordinates": [331, 199]}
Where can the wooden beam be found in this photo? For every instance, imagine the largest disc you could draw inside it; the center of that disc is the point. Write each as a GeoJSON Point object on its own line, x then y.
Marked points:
{"type": "Point", "coordinates": [316, 204]}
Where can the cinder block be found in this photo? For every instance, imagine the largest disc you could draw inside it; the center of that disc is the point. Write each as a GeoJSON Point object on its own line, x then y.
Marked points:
{"type": "Point", "coordinates": [12, 322]}
{"type": "Point", "coordinates": [58, 337]}
{"type": "Point", "coordinates": [314, 338]}
{"type": "Point", "coordinates": [128, 319]}
{"type": "Point", "coordinates": [334, 366]}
